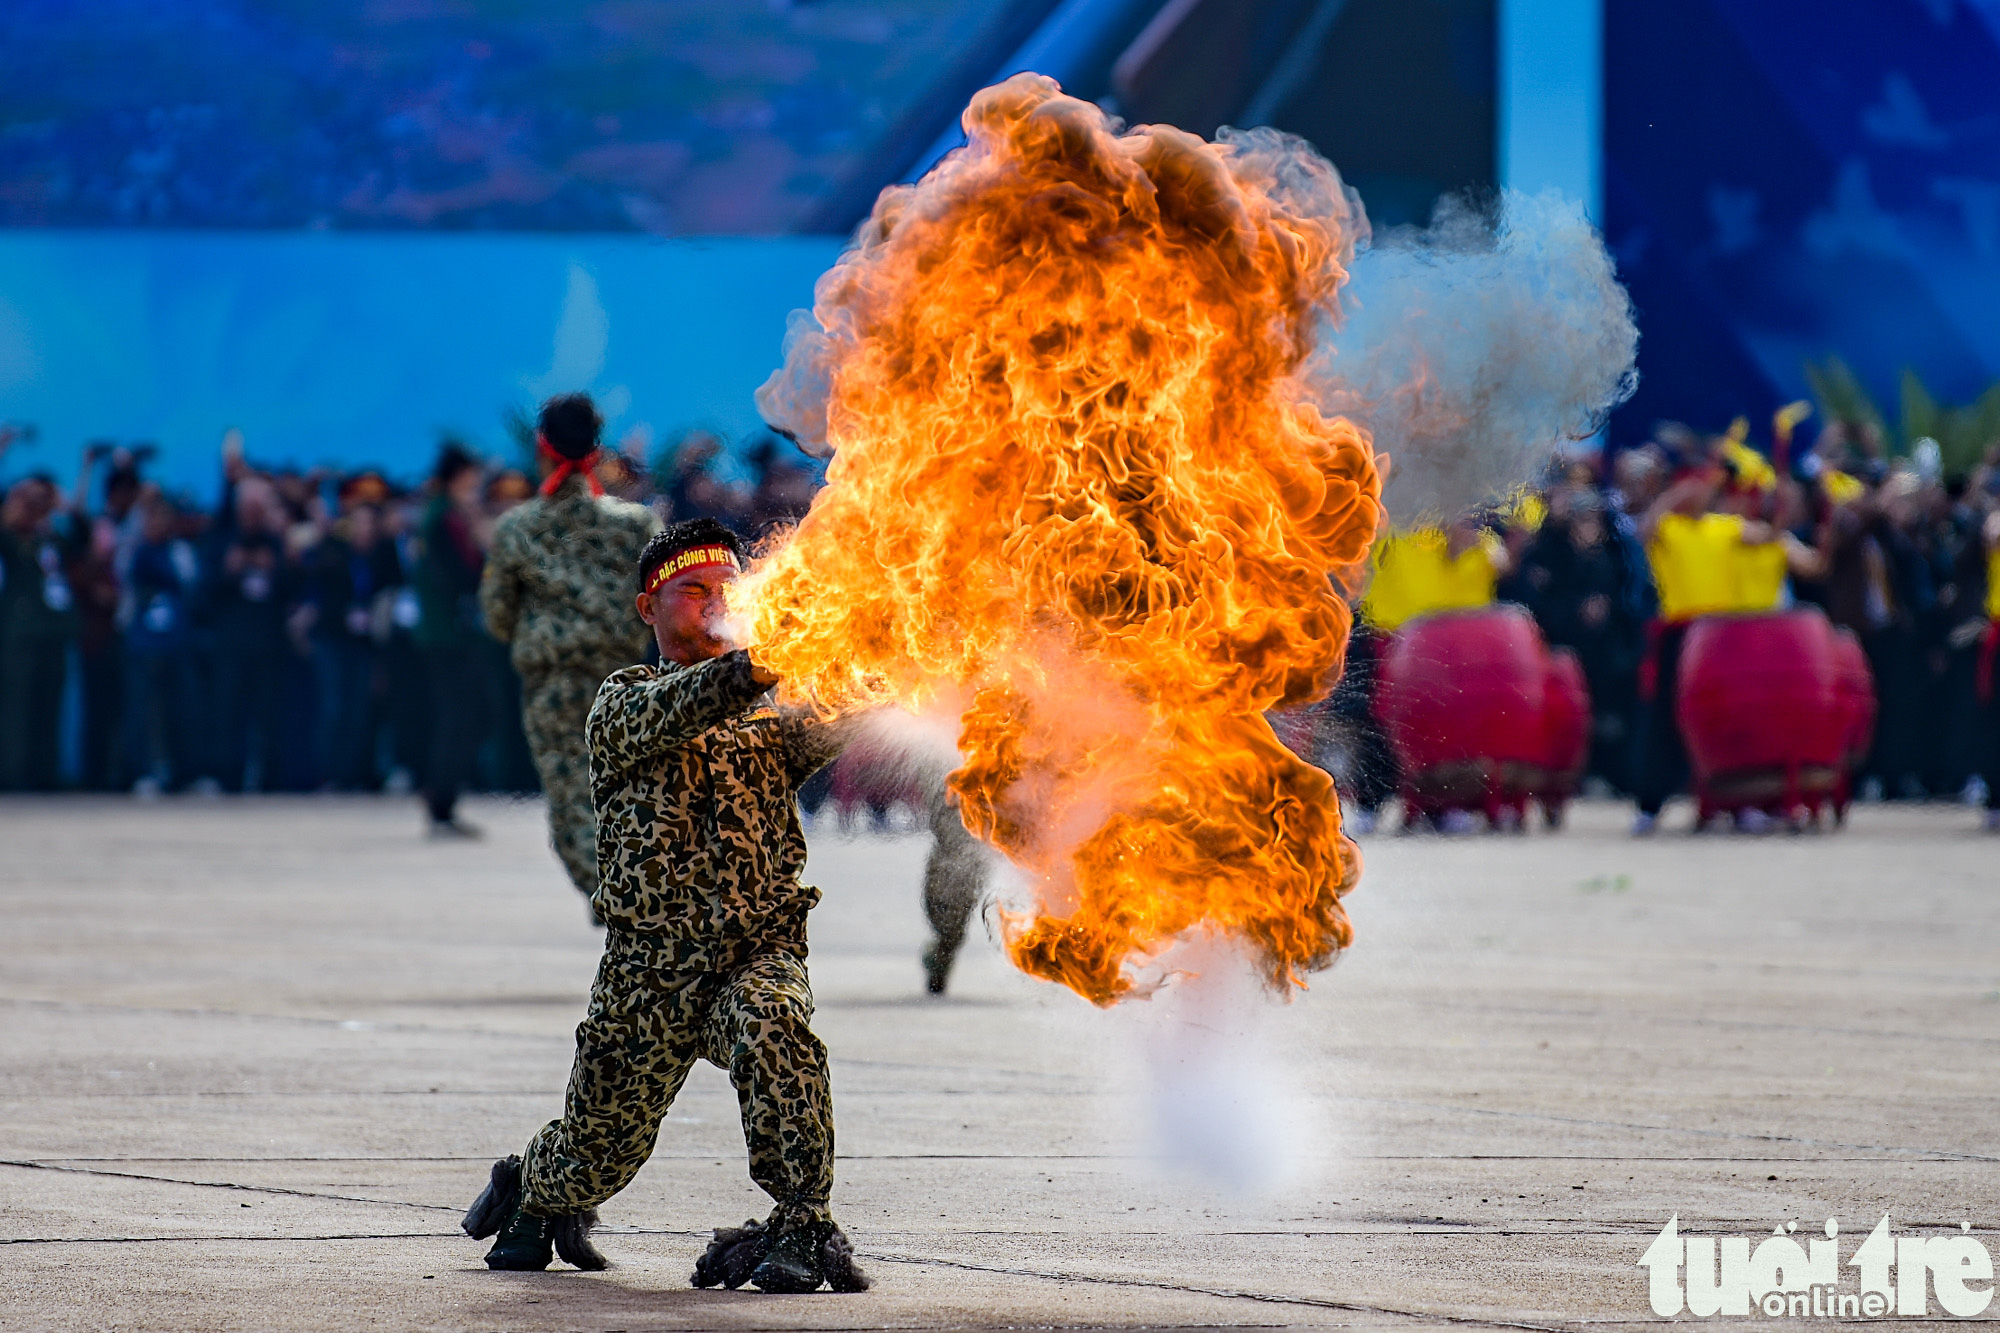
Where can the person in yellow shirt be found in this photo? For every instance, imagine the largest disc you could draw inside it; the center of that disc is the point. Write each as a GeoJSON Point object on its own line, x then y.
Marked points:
{"type": "Point", "coordinates": [1696, 555]}
{"type": "Point", "coordinates": [1710, 555]}
{"type": "Point", "coordinates": [1762, 575]}
{"type": "Point", "coordinates": [1422, 571]}
{"type": "Point", "coordinates": [1416, 572]}
{"type": "Point", "coordinates": [1991, 532]}
{"type": "Point", "coordinates": [1769, 555]}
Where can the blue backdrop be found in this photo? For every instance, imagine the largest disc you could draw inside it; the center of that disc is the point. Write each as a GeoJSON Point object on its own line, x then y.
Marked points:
{"type": "Point", "coordinates": [1787, 180]}
{"type": "Point", "coordinates": [362, 348]}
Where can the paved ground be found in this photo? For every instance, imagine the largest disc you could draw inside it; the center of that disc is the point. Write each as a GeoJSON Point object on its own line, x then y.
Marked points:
{"type": "Point", "coordinates": [257, 1055]}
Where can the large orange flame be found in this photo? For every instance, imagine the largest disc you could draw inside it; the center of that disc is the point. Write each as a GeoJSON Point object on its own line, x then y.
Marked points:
{"type": "Point", "coordinates": [1076, 494]}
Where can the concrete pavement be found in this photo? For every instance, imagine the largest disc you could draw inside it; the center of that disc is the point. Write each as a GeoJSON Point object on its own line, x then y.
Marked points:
{"type": "Point", "coordinates": [258, 1053]}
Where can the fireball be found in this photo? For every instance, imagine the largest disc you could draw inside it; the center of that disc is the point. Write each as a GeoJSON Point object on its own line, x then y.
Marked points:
{"type": "Point", "coordinates": [1078, 496]}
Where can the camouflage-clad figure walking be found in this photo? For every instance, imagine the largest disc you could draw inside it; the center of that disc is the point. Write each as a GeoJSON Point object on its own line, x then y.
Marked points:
{"type": "Point", "coordinates": [558, 590]}
{"type": "Point", "coordinates": [695, 774]}
{"type": "Point", "coordinates": [954, 882]}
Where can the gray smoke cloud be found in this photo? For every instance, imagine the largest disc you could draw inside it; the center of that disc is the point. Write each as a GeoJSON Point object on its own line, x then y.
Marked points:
{"type": "Point", "coordinates": [1472, 349]}
{"type": "Point", "coordinates": [794, 398]}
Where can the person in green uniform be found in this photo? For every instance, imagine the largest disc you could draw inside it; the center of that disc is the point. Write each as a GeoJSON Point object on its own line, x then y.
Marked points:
{"type": "Point", "coordinates": [557, 590]}
{"type": "Point", "coordinates": [695, 774]}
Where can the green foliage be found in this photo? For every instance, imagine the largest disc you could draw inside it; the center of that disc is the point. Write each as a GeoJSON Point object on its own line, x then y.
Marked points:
{"type": "Point", "coordinates": [1964, 433]}
{"type": "Point", "coordinates": [1920, 410]}
{"type": "Point", "coordinates": [1974, 430]}
{"type": "Point", "coordinates": [1841, 396]}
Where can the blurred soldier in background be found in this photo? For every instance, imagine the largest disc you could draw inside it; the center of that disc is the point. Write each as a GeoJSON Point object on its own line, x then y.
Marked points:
{"type": "Point", "coordinates": [450, 554]}
{"type": "Point", "coordinates": [557, 588]}
{"type": "Point", "coordinates": [954, 879]}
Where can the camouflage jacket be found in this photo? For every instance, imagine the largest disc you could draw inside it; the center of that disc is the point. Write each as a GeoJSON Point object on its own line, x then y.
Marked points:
{"type": "Point", "coordinates": [559, 585]}
{"type": "Point", "coordinates": [693, 773]}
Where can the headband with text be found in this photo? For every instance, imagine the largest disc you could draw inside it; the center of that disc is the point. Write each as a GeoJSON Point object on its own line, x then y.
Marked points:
{"type": "Point", "coordinates": [692, 558]}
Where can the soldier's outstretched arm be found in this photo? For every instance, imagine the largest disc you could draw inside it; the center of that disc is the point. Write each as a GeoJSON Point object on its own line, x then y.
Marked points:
{"type": "Point", "coordinates": [638, 721]}
{"type": "Point", "coordinates": [811, 743]}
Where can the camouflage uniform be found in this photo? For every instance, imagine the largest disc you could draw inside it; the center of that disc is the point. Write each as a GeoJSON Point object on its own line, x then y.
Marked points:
{"type": "Point", "coordinates": [558, 588]}
{"type": "Point", "coordinates": [954, 880]}
{"type": "Point", "coordinates": [699, 852]}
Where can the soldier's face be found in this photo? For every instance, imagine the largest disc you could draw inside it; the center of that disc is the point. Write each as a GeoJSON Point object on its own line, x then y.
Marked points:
{"type": "Point", "coordinates": [686, 614]}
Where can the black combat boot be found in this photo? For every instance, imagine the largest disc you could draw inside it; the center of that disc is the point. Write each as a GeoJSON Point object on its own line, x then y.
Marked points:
{"type": "Point", "coordinates": [807, 1255]}
{"type": "Point", "coordinates": [527, 1243]}
{"type": "Point", "coordinates": [733, 1255]}
{"type": "Point", "coordinates": [939, 955]}
{"type": "Point", "coordinates": [793, 1264]}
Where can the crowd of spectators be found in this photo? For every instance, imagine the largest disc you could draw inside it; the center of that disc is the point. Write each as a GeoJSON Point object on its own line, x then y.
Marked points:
{"type": "Point", "coordinates": [304, 632]}
{"type": "Point", "coordinates": [1892, 548]}
{"type": "Point", "coordinates": [317, 630]}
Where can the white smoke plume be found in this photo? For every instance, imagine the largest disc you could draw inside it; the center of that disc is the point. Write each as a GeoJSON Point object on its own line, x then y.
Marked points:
{"type": "Point", "coordinates": [1472, 349]}
{"type": "Point", "coordinates": [1220, 1102]}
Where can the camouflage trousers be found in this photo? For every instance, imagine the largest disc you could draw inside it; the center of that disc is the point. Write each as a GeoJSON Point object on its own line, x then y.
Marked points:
{"type": "Point", "coordinates": [646, 1027]}
{"type": "Point", "coordinates": [554, 707]}
{"type": "Point", "coordinates": [954, 880]}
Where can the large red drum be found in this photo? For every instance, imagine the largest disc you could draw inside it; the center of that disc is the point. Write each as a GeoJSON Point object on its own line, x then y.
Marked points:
{"type": "Point", "coordinates": [1774, 709]}
{"type": "Point", "coordinates": [1481, 715]}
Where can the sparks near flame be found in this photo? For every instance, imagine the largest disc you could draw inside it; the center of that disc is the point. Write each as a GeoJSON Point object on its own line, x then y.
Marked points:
{"type": "Point", "coordinates": [1078, 494]}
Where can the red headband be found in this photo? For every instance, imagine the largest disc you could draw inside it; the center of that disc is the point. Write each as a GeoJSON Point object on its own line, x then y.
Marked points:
{"type": "Point", "coordinates": [695, 557]}
{"type": "Point", "coordinates": [567, 467]}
